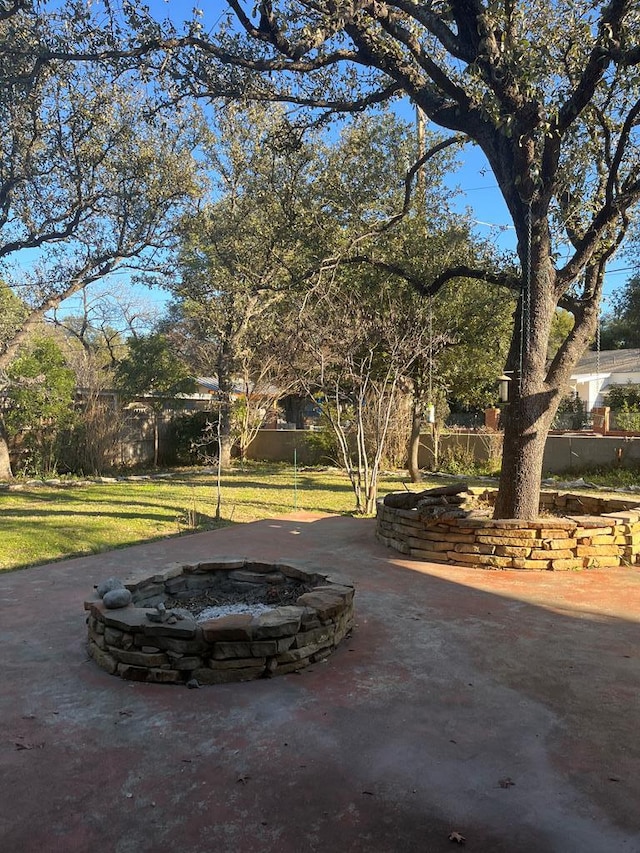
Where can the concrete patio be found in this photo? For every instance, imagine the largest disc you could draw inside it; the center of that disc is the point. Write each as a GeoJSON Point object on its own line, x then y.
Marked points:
{"type": "Point", "coordinates": [504, 706]}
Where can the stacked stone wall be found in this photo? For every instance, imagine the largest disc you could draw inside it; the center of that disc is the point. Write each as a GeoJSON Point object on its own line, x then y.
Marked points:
{"type": "Point", "coordinates": [583, 532]}
{"type": "Point", "coordinates": [134, 643]}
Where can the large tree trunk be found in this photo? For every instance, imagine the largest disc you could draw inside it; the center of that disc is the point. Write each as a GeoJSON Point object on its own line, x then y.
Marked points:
{"type": "Point", "coordinates": [527, 423]}
{"type": "Point", "coordinates": [537, 388]}
{"type": "Point", "coordinates": [5, 462]}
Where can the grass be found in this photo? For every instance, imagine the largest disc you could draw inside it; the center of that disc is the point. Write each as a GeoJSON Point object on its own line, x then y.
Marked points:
{"type": "Point", "coordinates": [39, 524]}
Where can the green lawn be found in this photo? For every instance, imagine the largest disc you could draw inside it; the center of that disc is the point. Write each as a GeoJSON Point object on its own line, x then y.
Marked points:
{"type": "Point", "coordinates": [43, 523]}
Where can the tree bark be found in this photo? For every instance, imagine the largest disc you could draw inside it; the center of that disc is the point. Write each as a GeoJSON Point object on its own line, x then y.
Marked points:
{"type": "Point", "coordinates": [5, 462]}
{"type": "Point", "coordinates": [414, 443]}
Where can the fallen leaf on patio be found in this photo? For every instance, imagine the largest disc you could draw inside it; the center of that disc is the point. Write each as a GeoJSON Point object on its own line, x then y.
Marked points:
{"type": "Point", "coordinates": [29, 745]}
{"type": "Point", "coordinates": [369, 793]}
{"type": "Point", "coordinates": [243, 780]}
{"type": "Point", "coordinates": [455, 836]}
{"type": "Point", "coordinates": [506, 783]}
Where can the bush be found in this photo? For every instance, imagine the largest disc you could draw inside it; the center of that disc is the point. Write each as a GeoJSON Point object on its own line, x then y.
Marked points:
{"type": "Point", "coordinates": [193, 437]}
{"type": "Point", "coordinates": [628, 418]}
{"type": "Point", "coordinates": [571, 414]}
{"type": "Point", "coordinates": [619, 396]}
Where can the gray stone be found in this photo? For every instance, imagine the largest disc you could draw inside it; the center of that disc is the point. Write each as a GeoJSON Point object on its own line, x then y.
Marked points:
{"type": "Point", "coordinates": [113, 636]}
{"type": "Point", "coordinates": [244, 576]}
{"type": "Point", "coordinates": [223, 651]}
{"type": "Point", "coordinates": [103, 659]}
{"type": "Point", "coordinates": [279, 622]}
{"type": "Point", "coordinates": [108, 585]}
{"type": "Point", "coordinates": [222, 564]}
{"type": "Point", "coordinates": [139, 658]}
{"type": "Point", "coordinates": [127, 618]}
{"type": "Point", "coordinates": [173, 570]}
{"type": "Point", "coordinates": [237, 663]}
{"type": "Point", "coordinates": [237, 627]}
{"type": "Point", "coordinates": [116, 598]}
{"type": "Point", "coordinates": [327, 603]}
{"type": "Point", "coordinates": [187, 647]}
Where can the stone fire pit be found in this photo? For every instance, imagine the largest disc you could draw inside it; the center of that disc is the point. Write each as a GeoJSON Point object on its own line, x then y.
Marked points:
{"type": "Point", "coordinates": [151, 639]}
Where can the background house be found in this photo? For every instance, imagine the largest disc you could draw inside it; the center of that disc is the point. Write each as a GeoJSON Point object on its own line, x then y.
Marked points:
{"type": "Point", "coordinates": [595, 372]}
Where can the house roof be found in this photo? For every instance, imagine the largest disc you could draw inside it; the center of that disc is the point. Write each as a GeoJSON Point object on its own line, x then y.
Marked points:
{"type": "Point", "coordinates": [609, 361]}
{"type": "Point", "coordinates": [210, 384]}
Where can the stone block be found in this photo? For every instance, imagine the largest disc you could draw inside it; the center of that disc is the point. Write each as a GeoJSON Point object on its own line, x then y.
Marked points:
{"type": "Point", "coordinates": [279, 622]}
{"type": "Point", "coordinates": [198, 583]}
{"type": "Point", "coordinates": [316, 636]}
{"type": "Point", "coordinates": [98, 639]}
{"type": "Point", "coordinates": [186, 663]}
{"type": "Point", "coordinates": [274, 578]}
{"type": "Point", "coordinates": [567, 565]}
{"type": "Point", "coordinates": [512, 551]}
{"type": "Point", "coordinates": [326, 604]}
{"type": "Point", "coordinates": [173, 570]}
{"type": "Point", "coordinates": [175, 585]}
{"type": "Point", "coordinates": [309, 619]}
{"type": "Point", "coordinates": [140, 658]}
{"type": "Point", "coordinates": [596, 550]}
{"type": "Point", "coordinates": [559, 543]}
{"type": "Point", "coordinates": [238, 663]}
{"type": "Point", "coordinates": [263, 648]}
{"type": "Point", "coordinates": [113, 636]}
{"type": "Point", "coordinates": [430, 556]}
{"type": "Point", "coordinates": [225, 564]}
{"type": "Point", "coordinates": [195, 646]}
{"type": "Point", "coordinates": [517, 541]}
{"type": "Point", "coordinates": [429, 544]}
{"type": "Point", "coordinates": [478, 548]}
{"type": "Point", "coordinates": [345, 592]}
{"type": "Point", "coordinates": [301, 571]}
{"type": "Point", "coordinates": [132, 673]}
{"type": "Point", "coordinates": [147, 590]}
{"type": "Point", "coordinates": [102, 658]}
{"type": "Point", "coordinates": [556, 554]}
{"type": "Point", "coordinates": [303, 652]}
{"type": "Point", "coordinates": [244, 576]}
{"type": "Point", "coordinates": [131, 619]}
{"type": "Point", "coordinates": [238, 627]}
{"type": "Point", "coordinates": [183, 629]}
{"type": "Point", "coordinates": [537, 565]}
{"type": "Point", "coordinates": [489, 560]}
{"type": "Point", "coordinates": [224, 651]}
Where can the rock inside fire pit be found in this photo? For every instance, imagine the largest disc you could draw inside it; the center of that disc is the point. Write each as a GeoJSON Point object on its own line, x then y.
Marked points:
{"type": "Point", "coordinates": [177, 628]}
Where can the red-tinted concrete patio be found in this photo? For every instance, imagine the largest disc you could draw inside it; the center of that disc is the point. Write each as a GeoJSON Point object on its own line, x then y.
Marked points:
{"type": "Point", "coordinates": [501, 705]}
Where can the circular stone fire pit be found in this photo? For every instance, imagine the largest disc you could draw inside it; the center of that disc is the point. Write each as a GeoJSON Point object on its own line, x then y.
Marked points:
{"type": "Point", "coordinates": [152, 640]}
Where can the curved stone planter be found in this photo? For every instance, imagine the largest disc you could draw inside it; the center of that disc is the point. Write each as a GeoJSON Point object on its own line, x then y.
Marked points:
{"type": "Point", "coordinates": [126, 642]}
{"type": "Point", "coordinates": [585, 531]}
